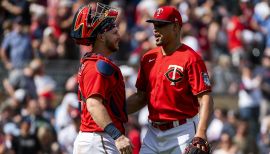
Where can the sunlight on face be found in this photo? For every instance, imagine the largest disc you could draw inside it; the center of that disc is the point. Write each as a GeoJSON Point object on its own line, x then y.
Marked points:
{"type": "Point", "coordinates": [112, 39]}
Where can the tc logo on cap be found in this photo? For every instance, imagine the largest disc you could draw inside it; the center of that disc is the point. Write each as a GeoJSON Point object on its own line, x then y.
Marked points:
{"type": "Point", "coordinates": [159, 11]}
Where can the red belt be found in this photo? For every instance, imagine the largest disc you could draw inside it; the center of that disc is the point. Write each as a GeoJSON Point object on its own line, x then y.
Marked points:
{"type": "Point", "coordinates": [167, 125]}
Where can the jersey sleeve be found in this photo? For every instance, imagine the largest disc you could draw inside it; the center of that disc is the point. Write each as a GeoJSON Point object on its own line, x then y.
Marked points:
{"type": "Point", "coordinates": [96, 82]}
{"type": "Point", "coordinates": [141, 79]}
{"type": "Point", "coordinates": [198, 78]}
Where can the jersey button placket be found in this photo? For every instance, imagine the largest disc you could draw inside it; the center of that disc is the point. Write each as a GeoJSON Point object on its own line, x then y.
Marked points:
{"type": "Point", "coordinates": [159, 77]}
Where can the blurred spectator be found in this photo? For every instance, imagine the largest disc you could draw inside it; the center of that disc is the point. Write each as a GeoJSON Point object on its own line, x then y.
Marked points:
{"type": "Point", "coordinates": [71, 84]}
{"type": "Point", "coordinates": [217, 35]}
{"type": "Point", "coordinates": [133, 133]}
{"type": "Point", "coordinates": [249, 105]}
{"type": "Point", "coordinates": [193, 42]}
{"type": "Point", "coordinates": [39, 22]}
{"type": "Point", "coordinates": [226, 145]}
{"type": "Point", "coordinates": [128, 72]}
{"type": "Point", "coordinates": [3, 148]}
{"type": "Point", "coordinates": [265, 84]}
{"type": "Point", "coordinates": [21, 80]}
{"type": "Point", "coordinates": [225, 77]}
{"type": "Point", "coordinates": [13, 105]}
{"type": "Point", "coordinates": [63, 111]}
{"type": "Point", "coordinates": [42, 80]}
{"type": "Point", "coordinates": [125, 47]}
{"type": "Point", "coordinates": [218, 125]}
{"type": "Point", "coordinates": [46, 138]}
{"type": "Point", "coordinates": [67, 49]}
{"type": "Point", "coordinates": [17, 8]}
{"type": "Point", "coordinates": [145, 7]}
{"type": "Point", "coordinates": [34, 114]}
{"type": "Point", "coordinates": [235, 28]}
{"type": "Point", "coordinates": [250, 99]}
{"type": "Point", "coordinates": [49, 44]}
{"type": "Point", "coordinates": [143, 121]}
{"type": "Point", "coordinates": [64, 15]}
{"type": "Point", "coordinates": [264, 143]}
{"type": "Point", "coordinates": [44, 83]}
{"type": "Point", "coordinates": [68, 134]}
{"type": "Point", "coordinates": [26, 142]}
{"type": "Point", "coordinates": [16, 49]}
{"type": "Point", "coordinates": [11, 132]}
{"type": "Point", "coordinates": [243, 140]}
{"type": "Point", "coordinates": [52, 14]}
{"type": "Point", "coordinates": [261, 20]}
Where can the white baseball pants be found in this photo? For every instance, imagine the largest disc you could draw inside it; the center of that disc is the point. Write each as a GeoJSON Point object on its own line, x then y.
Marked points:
{"type": "Point", "coordinates": [94, 143]}
{"type": "Point", "coordinates": [171, 141]}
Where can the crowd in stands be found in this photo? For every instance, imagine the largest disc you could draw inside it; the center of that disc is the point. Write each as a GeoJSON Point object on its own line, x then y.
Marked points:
{"type": "Point", "coordinates": [232, 36]}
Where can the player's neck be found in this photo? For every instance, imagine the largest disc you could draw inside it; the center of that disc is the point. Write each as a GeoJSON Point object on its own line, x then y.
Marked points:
{"type": "Point", "coordinates": [102, 50]}
{"type": "Point", "coordinates": [169, 49]}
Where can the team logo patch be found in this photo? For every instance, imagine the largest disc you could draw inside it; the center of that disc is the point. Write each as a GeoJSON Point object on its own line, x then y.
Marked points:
{"type": "Point", "coordinates": [206, 79]}
{"type": "Point", "coordinates": [174, 74]}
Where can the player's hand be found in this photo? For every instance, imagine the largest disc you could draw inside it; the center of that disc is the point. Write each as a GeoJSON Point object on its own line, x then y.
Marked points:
{"type": "Point", "coordinates": [123, 145]}
{"type": "Point", "coordinates": [201, 146]}
{"type": "Point", "coordinates": [4, 3]}
{"type": "Point", "coordinates": [8, 66]}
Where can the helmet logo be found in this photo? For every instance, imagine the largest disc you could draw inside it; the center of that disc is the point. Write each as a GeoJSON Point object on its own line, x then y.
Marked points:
{"type": "Point", "coordinates": [159, 11]}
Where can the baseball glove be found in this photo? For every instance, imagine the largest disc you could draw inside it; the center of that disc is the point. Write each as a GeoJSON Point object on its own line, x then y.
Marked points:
{"type": "Point", "coordinates": [193, 149]}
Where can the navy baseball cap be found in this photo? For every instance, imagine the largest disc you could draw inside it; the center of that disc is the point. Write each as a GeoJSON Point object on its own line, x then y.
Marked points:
{"type": "Point", "coordinates": [166, 14]}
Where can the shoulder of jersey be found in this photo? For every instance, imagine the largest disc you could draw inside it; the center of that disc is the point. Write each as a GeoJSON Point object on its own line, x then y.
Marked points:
{"type": "Point", "coordinates": [104, 68]}
{"type": "Point", "coordinates": [193, 54]}
{"type": "Point", "coordinates": [153, 51]}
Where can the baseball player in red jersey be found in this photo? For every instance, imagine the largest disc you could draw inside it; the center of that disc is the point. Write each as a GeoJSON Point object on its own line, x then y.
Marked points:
{"type": "Point", "coordinates": [174, 83]}
{"type": "Point", "coordinates": [101, 85]}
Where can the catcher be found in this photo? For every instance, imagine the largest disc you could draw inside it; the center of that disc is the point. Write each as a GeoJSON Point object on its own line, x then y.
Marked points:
{"type": "Point", "coordinates": [174, 83]}
{"type": "Point", "coordinates": [101, 85]}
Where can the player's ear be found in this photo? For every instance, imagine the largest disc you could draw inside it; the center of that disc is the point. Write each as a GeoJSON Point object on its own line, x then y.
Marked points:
{"type": "Point", "coordinates": [176, 27]}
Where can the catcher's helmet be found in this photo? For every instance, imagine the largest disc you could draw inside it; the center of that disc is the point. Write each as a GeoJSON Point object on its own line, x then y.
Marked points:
{"type": "Point", "coordinates": [88, 22]}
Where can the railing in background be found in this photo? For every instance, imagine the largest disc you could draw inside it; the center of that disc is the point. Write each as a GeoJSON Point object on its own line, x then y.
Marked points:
{"type": "Point", "coordinates": [61, 70]}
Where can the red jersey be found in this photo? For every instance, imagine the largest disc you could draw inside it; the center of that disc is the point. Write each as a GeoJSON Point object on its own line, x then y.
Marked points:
{"type": "Point", "coordinates": [234, 30]}
{"type": "Point", "coordinates": [99, 76]}
{"type": "Point", "coordinates": [172, 83]}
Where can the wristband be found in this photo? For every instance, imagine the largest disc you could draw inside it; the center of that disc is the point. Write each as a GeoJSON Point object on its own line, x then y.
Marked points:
{"type": "Point", "coordinates": [112, 131]}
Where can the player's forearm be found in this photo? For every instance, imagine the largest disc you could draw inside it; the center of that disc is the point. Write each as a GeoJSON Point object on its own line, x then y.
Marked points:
{"type": "Point", "coordinates": [12, 8]}
{"type": "Point", "coordinates": [206, 110]}
{"type": "Point", "coordinates": [8, 87]}
{"type": "Point", "coordinates": [135, 102]}
{"type": "Point", "coordinates": [101, 117]}
{"type": "Point", "coordinates": [98, 111]}
{"type": "Point", "coordinates": [3, 55]}
{"type": "Point", "coordinates": [5, 59]}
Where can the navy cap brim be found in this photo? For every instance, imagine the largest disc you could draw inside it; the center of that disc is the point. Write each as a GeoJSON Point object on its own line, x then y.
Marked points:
{"type": "Point", "coordinates": [157, 20]}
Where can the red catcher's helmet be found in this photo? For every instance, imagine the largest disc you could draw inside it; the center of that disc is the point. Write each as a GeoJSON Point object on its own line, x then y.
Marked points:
{"type": "Point", "coordinates": [88, 23]}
